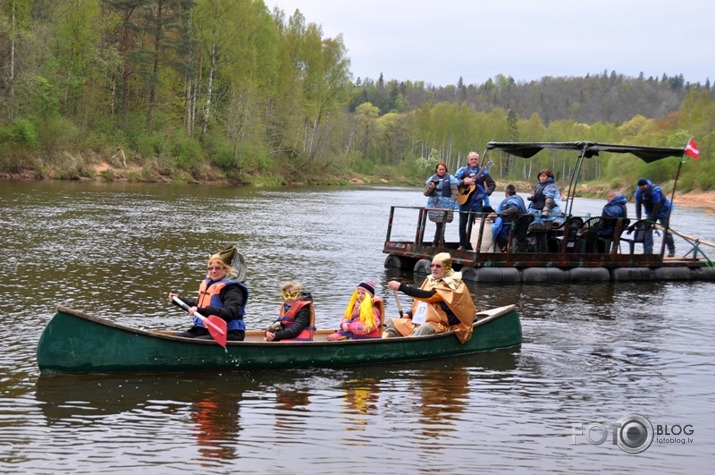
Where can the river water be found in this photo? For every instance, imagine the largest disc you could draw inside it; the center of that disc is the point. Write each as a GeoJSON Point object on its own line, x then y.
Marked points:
{"type": "Point", "coordinates": [593, 354]}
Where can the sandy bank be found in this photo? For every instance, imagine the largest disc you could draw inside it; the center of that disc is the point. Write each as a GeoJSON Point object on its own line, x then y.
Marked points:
{"type": "Point", "coordinates": [696, 199]}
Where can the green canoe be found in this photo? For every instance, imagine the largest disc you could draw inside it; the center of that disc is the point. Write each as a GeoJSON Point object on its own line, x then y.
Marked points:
{"type": "Point", "coordinates": [74, 342]}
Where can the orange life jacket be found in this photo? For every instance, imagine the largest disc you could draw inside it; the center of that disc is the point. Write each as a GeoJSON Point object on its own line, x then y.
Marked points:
{"type": "Point", "coordinates": [209, 295]}
{"type": "Point", "coordinates": [288, 319]}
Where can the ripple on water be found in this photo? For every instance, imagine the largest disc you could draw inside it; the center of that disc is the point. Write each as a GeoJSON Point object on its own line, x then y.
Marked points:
{"type": "Point", "coordinates": [591, 353]}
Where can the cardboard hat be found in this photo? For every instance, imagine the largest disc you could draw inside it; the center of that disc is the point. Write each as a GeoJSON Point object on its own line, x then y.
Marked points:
{"type": "Point", "coordinates": [233, 258]}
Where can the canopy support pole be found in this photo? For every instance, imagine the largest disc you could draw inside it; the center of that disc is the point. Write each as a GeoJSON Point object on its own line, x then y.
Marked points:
{"type": "Point", "coordinates": [666, 230]}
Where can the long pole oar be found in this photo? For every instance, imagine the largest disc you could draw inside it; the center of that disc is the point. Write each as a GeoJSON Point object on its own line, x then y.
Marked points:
{"type": "Point", "coordinates": [215, 325]}
{"type": "Point", "coordinates": [683, 235]}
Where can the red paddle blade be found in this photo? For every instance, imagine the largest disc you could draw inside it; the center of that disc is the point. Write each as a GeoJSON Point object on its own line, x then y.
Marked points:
{"type": "Point", "coordinates": [217, 329]}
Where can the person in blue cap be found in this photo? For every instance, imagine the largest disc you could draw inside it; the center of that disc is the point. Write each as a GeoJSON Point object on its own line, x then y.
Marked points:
{"type": "Point", "coordinates": [657, 209]}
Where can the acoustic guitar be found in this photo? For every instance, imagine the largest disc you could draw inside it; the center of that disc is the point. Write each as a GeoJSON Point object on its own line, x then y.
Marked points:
{"type": "Point", "coordinates": [464, 192]}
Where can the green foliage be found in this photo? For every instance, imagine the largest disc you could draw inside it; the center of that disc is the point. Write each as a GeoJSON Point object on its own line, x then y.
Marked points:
{"type": "Point", "coordinates": [100, 141]}
{"type": "Point", "coordinates": [220, 153]}
{"type": "Point", "coordinates": [365, 167]}
{"type": "Point", "coordinates": [68, 166]}
{"type": "Point", "coordinates": [703, 173]}
{"type": "Point", "coordinates": [148, 144]}
{"type": "Point", "coordinates": [263, 162]}
{"type": "Point", "coordinates": [15, 159]}
{"type": "Point", "coordinates": [660, 171]}
{"type": "Point", "coordinates": [40, 96]}
{"type": "Point", "coordinates": [239, 162]}
{"type": "Point", "coordinates": [246, 160]}
{"type": "Point", "coordinates": [426, 165]}
{"type": "Point", "coordinates": [108, 175]}
{"type": "Point", "coordinates": [186, 151]}
{"type": "Point", "coordinates": [231, 85]}
{"type": "Point", "coordinates": [22, 133]}
{"type": "Point", "coordinates": [417, 169]}
{"type": "Point", "coordinates": [58, 133]}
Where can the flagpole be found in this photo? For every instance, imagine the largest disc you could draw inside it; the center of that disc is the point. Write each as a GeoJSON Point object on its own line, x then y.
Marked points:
{"type": "Point", "coordinates": [672, 201]}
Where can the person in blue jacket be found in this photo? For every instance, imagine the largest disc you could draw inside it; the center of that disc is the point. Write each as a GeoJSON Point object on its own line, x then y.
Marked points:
{"type": "Point", "coordinates": [615, 208]}
{"type": "Point", "coordinates": [508, 210]}
{"type": "Point", "coordinates": [441, 191]}
{"type": "Point", "coordinates": [544, 203]}
{"type": "Point", "coordinates": [657, 209]}
{"type": "Point", "coordinates": [472, 175]}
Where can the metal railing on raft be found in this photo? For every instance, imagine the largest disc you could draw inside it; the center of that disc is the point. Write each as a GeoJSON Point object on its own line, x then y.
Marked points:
{"type": "Point", "coordinates": [695, 243]}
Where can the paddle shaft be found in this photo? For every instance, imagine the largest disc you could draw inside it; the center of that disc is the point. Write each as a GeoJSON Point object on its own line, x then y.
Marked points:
{"type": "Point", "coordinates": [206, 321]}
{"type": "Point", "coordinates": [399, 304]}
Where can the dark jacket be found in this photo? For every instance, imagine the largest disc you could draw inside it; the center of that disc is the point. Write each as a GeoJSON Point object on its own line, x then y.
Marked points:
{"type": "Point", "coordinates": [616, 208]}
{"type": "Point", "coordinates": [654, 202]}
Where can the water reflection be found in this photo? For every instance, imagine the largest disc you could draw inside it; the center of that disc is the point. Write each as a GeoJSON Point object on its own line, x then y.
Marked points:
{"type": "Point", "coordinates": [444, 395]}
{"type": "Point", "coordinates": [81, 399]}
{"type": "Point", "coordinates": [217, 423]}
{"type": "Point", "coordinates": [362, 396]}
{"type": "Point", "coordinates": [291, 403]}
{"type": "Point", "coordinates": [215, 404]}
{"type": "Point", "coordinates": [210, 404]}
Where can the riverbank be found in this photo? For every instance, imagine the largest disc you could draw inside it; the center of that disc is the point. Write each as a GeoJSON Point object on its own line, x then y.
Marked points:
{"type": "Point", "coordinates": [105, 172]}
{"type": "Point", "coordinates": [694, 199]}
{"type": "Point", "coordinates": [702, 199]}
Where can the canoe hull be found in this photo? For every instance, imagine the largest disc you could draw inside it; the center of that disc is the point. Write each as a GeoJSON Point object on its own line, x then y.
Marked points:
{"type": "Point", "coordinates": [74, 342]}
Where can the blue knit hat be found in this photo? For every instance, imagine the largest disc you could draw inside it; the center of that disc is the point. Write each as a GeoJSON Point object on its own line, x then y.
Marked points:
{"type": "Point", "coordinates": [642, 182]}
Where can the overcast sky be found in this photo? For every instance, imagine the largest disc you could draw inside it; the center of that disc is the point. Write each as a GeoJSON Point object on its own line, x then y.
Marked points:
{"type": "Point", "coordinates": [439, 41]}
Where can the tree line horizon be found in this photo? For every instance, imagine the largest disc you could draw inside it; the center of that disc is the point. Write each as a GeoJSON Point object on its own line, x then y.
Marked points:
{"type": "Point", "coordinates": [195, 89]}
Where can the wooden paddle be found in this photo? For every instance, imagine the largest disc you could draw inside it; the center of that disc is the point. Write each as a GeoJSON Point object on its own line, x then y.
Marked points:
{"type": "Point", "coordinates": [399, 304]}
{"type": "Point", "coordinates": [215, 325]}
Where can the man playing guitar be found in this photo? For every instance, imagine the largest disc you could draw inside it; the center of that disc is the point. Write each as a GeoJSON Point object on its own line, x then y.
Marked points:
{"type": "Point", "coordinates": [473, 176]}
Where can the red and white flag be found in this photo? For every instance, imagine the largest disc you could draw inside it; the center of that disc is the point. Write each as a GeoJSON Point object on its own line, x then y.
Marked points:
{"type": "Point", "coordinates": [692, 150]}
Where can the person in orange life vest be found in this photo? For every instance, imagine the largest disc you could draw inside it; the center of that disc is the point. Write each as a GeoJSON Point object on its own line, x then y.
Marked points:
{"type": "Point", "coordinates": [296, 320]}
{"type": "Point", "coordinates": [443, 302]}
{"type": "Point", "coordinates": [362, 316]}
{"type": "Point", "coordinates": [220, 294]}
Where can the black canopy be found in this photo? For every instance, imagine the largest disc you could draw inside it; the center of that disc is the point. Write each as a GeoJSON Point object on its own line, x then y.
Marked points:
{"type": "Point", "coordinates": [587, 149]}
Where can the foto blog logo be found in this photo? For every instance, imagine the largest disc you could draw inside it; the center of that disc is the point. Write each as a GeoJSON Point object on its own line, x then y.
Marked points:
{"type": "Point", "coordinates": [632, 433]}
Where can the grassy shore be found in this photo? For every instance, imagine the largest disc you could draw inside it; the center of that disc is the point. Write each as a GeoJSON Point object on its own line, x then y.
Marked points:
{"type": "Point", "coordinates": [106, 172]}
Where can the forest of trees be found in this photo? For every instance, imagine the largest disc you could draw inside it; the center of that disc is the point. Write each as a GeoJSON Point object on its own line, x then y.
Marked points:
{"type": "Point", "coordinates": [189, 88]}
